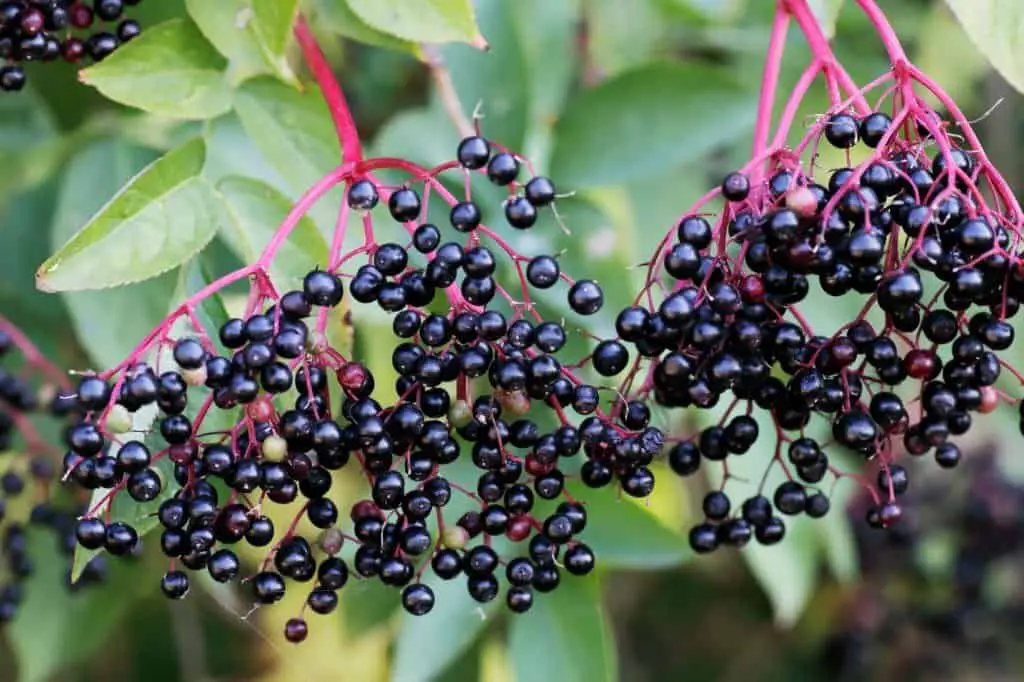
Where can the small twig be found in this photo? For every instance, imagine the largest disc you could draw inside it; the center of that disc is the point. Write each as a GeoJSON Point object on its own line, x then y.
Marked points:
{"type": "Point", "coordinates": [446, 89]}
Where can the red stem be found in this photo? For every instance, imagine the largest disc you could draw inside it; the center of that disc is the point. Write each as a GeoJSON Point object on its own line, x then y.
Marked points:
{"type": "Point", "coordinates": [770, 81]}
{"type": "Point", "coordinates": [348, 135]}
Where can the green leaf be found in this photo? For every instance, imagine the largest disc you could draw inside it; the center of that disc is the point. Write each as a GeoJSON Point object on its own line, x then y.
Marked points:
{"type": "Point", "coordinates": [826, 12]}
{"type": "Point", "coordinates": [142, 515]}
{"type": "Point", "coordinates": [292, 130]}
{"type": "Point", "coordinates": [338, 17]}
{"type": "Point", "coordinates": [565, 637]}
{"type": "Point", "coordinates": [255, 211]}
{"type": "Point", "coordinates": [170, 70]}
{"type": "Point", "coordinates": [56, 628]}
{"type": "Point", "coordinates": [422, 21]}
{"type": "Point", "coordinates": [625, 535]}
{"type": "Point", "coordinates": [227, 25]}
{"type": "Point", "coordinates": [272, 21]}
{"type": "Point", "coordinates": [647, 120]}
{"type": "Point", "coordinates": [110, 322]}
{"type": "Point", "coordinates": [994, 26]}
{"type": "Point", "coordinates": [612, 30]}
{"type": "Point", "coordinates": [426, 645]}
{"type": "Point", "coordinates": [229, 151]}
{"type": "Point", "coordinates": [161, 218]}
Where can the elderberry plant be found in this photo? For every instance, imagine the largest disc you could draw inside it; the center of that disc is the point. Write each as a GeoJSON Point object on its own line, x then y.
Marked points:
{"type": "Point", "coordinates": [414, 366]}
{"type": "Point", "coordinates": [921, 228]}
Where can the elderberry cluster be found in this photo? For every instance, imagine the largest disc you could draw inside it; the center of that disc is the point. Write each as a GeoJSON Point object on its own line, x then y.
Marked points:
{"type": "Point", "coordinates": [27, 507]}
{"type": "Point", "coordinates": [907, 232]}
{"type": "Point", "coordinates": [479, 384]}
{"type": "Point", "coordinates": [48, 30]}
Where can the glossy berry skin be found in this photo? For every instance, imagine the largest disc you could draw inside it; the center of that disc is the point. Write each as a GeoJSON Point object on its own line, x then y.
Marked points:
{"type": "Point", "coordinates": [703, 538]}
{"type": "Point", "coordinates": [174, 585]}
{"type": "Point", "coordinates": [610, 357]}
{"type": "Point", "coordinates": [586, 297]}
{"type": "Point", "coordinates": [520, 213]}
{"type": "Point", "coordinates": [503, 169]}
{"type": "Point", "coordinates": [362, 195]}
{"type": "Point", "coordinates": [735, 187]}
{"type": "Point", "coordinates": [473, 152]}
{"type": "Point", "coordinates": [268, 587]}
{"type": "Point", "coordinates": [404, 205]}
{"type": "Point", "coordinates": [323, 288]}
{"type": "Point", "coordinates": [417, 599]}
{"type": "Point", "coordinates": [873, 128]}
{"type": "Point", "coordinates": [841, 130]}
{"type": "Point", "coordinates": [540, 191]}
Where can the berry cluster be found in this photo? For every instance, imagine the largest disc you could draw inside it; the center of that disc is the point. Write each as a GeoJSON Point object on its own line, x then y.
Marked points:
{"type": "Point", "coordinates": [207, 424]}
{"type": "Point", "coordinates": [48, 30]}
{"type": "Point", "coordinates": [478, 384]}
{"type": "Point", "coordinates": [923, 232]}
{"type": "Point", "coordinates": [29, 467]}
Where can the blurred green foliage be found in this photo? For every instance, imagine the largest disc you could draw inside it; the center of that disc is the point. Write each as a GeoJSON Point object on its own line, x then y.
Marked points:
{"type": "Point", "coordinates": [635, 107]}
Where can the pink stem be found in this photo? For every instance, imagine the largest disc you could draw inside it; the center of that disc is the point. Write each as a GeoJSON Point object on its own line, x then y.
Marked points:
{"type": "Point", "coordinates": [819, 46]}
{"type": "Point", "coordinates": [770, 80]}
{"type": "Point", "coordinates": [793, 104]}
{"type": "Point", "coordinates": [32, 354]}
{"type": "Point", "coordinates": [348, 135]}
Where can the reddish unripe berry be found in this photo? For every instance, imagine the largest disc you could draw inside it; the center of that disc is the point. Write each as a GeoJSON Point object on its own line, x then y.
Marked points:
{"type": "Point", "coordinates": [365, 509]}
{"type": "Point", "coordinates": [989, 399]}
{"type": "Point", "coordinates": [353, 377]}
{"type": "Point", "coordinates": [802, 201]}
{"type": "Point", "coordinates": [261, 409]}
{"type": "Point", "coordinates": [296, 630]}
{"type": "Point", "coordinates": [519, 529]}
{"type": "Point", "coordinates": [80, 16]}
{"type": "Point", "coordinates": [535, 467]}
{"type": "Point", "coordinates": [181, 453]}
{"type": "Point", "coordinates": [752, 289]}
{"type": "Point", "coordinates": [921, 364]}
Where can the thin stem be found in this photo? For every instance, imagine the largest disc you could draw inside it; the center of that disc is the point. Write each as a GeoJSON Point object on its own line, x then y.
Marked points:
{"type": "Point", "coordinates": [770, 80]}
{"type": "Point", "coordinates": [33, 356]}
{"type": "Point", "coordinates": [822, 52]}
{"type": "Point", "coordinates": [446, 91]}
{"type": "Point", "coordinates": [348, 135]}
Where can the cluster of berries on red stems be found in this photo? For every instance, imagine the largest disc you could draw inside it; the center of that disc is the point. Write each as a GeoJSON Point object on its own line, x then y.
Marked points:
{"type": "Point", "coordinates": [923, 233]}
{"type": "Point", "coordinates": [32, 390]}
{"type": "Point", "coordinates": [481, 382]}
{"type": "Point", "coordinates": [206, 425]}
{"type": "Point", "coordinates": [51, 30]}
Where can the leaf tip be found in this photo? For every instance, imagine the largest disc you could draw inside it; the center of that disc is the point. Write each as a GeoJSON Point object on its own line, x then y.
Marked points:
{"type": "Point", "coordinates": [42, 281]}
{"type": "Point", "coordinates": [479, 42]}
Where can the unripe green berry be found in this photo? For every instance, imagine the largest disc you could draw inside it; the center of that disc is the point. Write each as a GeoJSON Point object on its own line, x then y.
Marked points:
{"type": "Point", "coordinates": [274, 448]}
{"type": "Point", "coordinates": [460, 414]}
{"type": "Point", "coordinates": [119, 420]}
{"type": "Point", "coordinates": [454, 537]}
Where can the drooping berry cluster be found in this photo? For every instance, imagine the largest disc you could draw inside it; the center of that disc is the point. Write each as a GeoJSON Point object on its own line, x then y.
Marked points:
{"type": "Point", "coordinates": [479, 384]}
{"type": "Point", "coordinates": [48, 30]}
{"type": "Point", "coordinates": [265, 409]}
{"type": "Point", "coordinates": [30, 390]}
{"type": "Point", "coordinates": [923, 232]}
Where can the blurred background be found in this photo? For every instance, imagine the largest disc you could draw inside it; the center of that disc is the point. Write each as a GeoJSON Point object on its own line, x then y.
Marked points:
{"type": "Point", "coordinates": [637, 106]}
